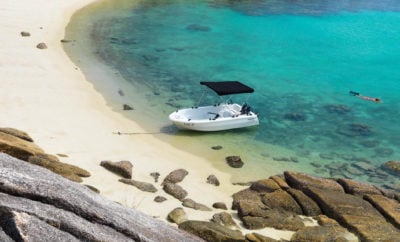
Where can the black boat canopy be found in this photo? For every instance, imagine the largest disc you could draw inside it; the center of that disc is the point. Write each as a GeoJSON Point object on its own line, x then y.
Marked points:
{"type": "Point", "coordinates": [228, 87]}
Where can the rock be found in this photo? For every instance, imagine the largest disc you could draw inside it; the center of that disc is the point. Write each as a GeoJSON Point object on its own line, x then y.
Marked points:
{"type": "Point", "coordinates": [160, 199]}
{"type": "Point", "coordinates": [337, 109]}
{"type": "Point", "coordinates": [52, 163]}
{"type": "Point", "coordinates": [324, 220]}
{"type": "Point", "coordinates": [295, 116]}
{"type": "Point", "coordinates": [387, 207]}
{"type": "Point", "coordinates": [266, 185]}
{"type": "Point", "coordinates": [189, 203]}
{"type": "Point", "coordinates": [17, 147]}
{"type": "Point", "coordinates": [23, 227]}
{"type": "Point", "coordinates": [25, 34]}
{"type": "Point", "coordinates": [211, 231]}
{"type": "Point", "coordinates": [353, 171]}
{"type": "Point", "coordinates": [392, 166]}
{"type": "Point", "coordinates": [369, 143]}
{"type": "Point", "coordinates": [246, 195]}
{"type": "Point", "coordinates": [383, 152]}
{"type": "Point", "coordinates": [301, 181]}
{"type": "Point", "coordinates": [155, 175]}
{"type": "Point", "coordinates": [220, 205]}
{"type": "Point", "coordinates": [122, 168]}
{"type": "Point", "coordinates": [254, 237]}
{"type": "Point", "coordinates": [178, 216]}
{"type": "Point", "coordinates": [72, 208]}
{"type": "Point", "coordinates": [353, 213]}
{"type": "Point", "coordinates": [364, 166]}
{"type": "Point", "coordinates": [354, 130]}
{"type": "Point", "coordinates": [315, 164]}
{"type": "Point", "coordinates": [197, 27]}
{"type": "Point", "coordinates": [175, 176]}
{"type": "Point", "coordinates": [41, 46]}
{"type": "Point", "coordinates": [280, 180]}
{"type": "Point", "coordinates": [66, 41]}
{"type": "Point", "coordinates": [175, 190]}
{"type": "Point", "coordinates": [224, 219]}
{"type": "Point", "coordinates": [216, 147]}
{"type": "Point", "coordinates": [143, 186]}
{"type": "Point", "coordinates": [212, 179]}
{"type": "Point", "coordinates": [17, 133]}
{"type": "Point", "coordinates": [358, 188]}
{"type": "Point", "coordinates": [92, 188]}
{"type": "Point", "coordinates": [321, 233]}
{"type": "Point", "coordinates": [280, 199]}
{"type": "Point", "coordinates": [234, 161]}
{"type": "Point", "coordinates": [126, 107]}
{"type": "Point", "coordinates": [278, 219]}
{"type": "Point", "coordinates": [308, 206]}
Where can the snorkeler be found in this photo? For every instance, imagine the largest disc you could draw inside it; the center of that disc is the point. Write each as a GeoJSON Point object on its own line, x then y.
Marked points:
{"type": "Point", "coordinates": [357, 94]}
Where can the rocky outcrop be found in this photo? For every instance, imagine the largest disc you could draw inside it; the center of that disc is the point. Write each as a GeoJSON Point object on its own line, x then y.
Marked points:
{"type": "Point", "coordinates": [19, 144]}
{"type": "Point", "coordinates": [388, 207]}
{"type": "Point", "coordinates": [143, 186]}
{"type": "Point", "coordinates": [308, 206]}
{"type": "Point", "coordinates": [301, 181]}
{"type": "Point", "coordinates": [358, 188]}
{"type": "Point", "coordinates": [210, 231]}
{"type": "Point", "coordinates": [35, 201]}
{"type": "Point", "coordinates": [175, 176]}
{"type": "Point", "coordinates": [122, 168]}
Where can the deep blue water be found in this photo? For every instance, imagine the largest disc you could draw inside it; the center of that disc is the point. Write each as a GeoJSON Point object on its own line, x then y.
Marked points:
{"type": "Point", "coordinates": [301, 57]}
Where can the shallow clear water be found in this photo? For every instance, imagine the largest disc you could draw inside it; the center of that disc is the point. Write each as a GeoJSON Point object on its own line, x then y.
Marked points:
{"type": "Point", "coordinates": [301, 57]}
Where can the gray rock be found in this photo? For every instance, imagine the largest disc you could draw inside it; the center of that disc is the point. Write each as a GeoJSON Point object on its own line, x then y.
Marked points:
{"type": "Point", "coordinates": [160, 199]}
{"type": "Point", "coordinates": [58, 201]}
{"type": "Point", "coordinates": [212, 179]}
{"type": "Point", "coordinates": [122, 168]}
{"type": "Point", "coordinates": [177, 215]}
{"type": "Point", "coordinates": [211, 231]}
{"type": "Point", "coordinates": [189, 203]}
{"type": "Point", "coordinates": [321, 233]}
{"type": "Point", "coordinates": [155, 175]}
{"type": "Point", "coordinates": [280, 199]}
{"type": "Point", "coordinates": [175, 190]}
{"type": "Point", "coordinates": [175, 176]}
{"type": "Point", "coordinates": [23, 227]}
{"type": "Point", "coordinates": [234, 161]}
{"type": "Point", "coordinates": [41, 46]}
{"type": "Point", "coordinates": [143, 186]}
{"type": "Point", "coordinates": [265, 185]}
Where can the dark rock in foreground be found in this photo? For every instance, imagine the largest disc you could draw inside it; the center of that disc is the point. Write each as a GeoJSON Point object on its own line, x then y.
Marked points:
{"type": "Point", "coordinates": [61, 209]}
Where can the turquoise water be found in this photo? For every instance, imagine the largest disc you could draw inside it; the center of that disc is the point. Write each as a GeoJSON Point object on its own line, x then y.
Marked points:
{"type": "Point", "coordinates": [301, 57]}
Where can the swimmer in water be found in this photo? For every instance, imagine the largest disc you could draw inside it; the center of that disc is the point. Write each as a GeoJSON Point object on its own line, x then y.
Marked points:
{"type": "Point", "coordinates": [357, 94]}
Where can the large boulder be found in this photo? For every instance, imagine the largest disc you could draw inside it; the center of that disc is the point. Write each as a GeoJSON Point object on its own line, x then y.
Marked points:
{"type": "Point", "coordinates": [301, 181]}
{"type": "Point", "coordinates": [278, 219]}
{"type": "Point", "coordinates": [265, 185]}
{"type": "Point", "coordinates": [72, 208]}
{"type": "Point", "coordinates": [354, 213]}
{"type": "Point", "coordinates": [212, 231]}
{"type": "Point", "coordinates": [358, 188]}
{"type": "Point", "coordinates": [122, 168]}
{"type": "Point", "coordinates": [309, 206]}
{"type": "Point", "coordinates": [175, 176]}
{"type": "Point", "coordinates": [280, 199]}
{"type": "Point", "coordinates": [246, 195]}
{"type": "Point", "coordinates": [388, 207]}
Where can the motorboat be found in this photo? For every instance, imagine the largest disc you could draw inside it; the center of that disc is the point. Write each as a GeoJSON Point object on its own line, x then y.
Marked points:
{"type": "Point", "coordinates": [222, 116]}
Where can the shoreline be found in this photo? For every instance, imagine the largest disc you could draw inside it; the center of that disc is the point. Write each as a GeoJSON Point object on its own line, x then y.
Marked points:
{"type": "Point", "coordinates": [46, 95]}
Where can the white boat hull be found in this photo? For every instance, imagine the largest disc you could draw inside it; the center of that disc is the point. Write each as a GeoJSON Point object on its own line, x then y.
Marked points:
{"type": "Point", "coordinates": [213, 118]}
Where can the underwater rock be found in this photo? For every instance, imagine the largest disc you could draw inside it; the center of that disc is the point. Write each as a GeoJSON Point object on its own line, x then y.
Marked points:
{"type": "Point", "coordinates": [338, 109]}
{"type": "Point", "coordinates": [327, 156]}
{"type": "Point", "coordinates": [126, 107]}
{"type": "Point", "coordinates": [393, 166]}
{"type": "Point", "coordinates": [197, 27]}
{"type": "Point", "coordinates": [216, 147]}
{"type": "Point", "coordinates": [234, 161]}
{"type": "Point", "coordinates": [354, 130]}
{"type": "Point", "coordinates": [295, 116]}
{"type": "Point", "coordinates": [315, 164]}
{"type": "Point", "coordinates": [364, 166]}
{"type": "Point", "coordinates": [383, 152]}
{"type": "Point", "coordinates": [369, 143]}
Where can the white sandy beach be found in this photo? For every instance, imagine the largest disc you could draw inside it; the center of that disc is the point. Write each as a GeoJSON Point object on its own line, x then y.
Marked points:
{"type": "Point", "coordinates": [43, 93]}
